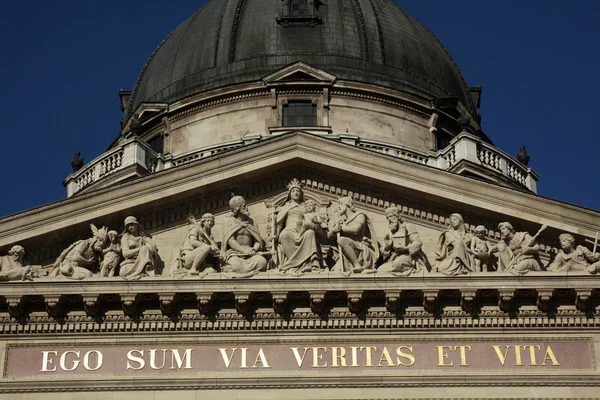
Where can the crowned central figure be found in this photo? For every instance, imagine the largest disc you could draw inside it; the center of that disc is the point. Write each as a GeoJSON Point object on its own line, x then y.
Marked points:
{"type": "Point", "coordinates": [297, 234]}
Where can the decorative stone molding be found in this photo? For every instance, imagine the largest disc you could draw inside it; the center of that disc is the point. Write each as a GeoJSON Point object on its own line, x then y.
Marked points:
{"type": "Point", "coordinates": [53, 306]}
{"type": "Point", "coordinates": [91, 305]}
{"type": "Point", "coordinates": [317, 303]}
{"type": "Point", "coordinates": [430, 301]}
{"type": "Point", "coordinates": [392, 302]}
{"type": "Point", "coordinates": [204, 303]}
{"type": "Point", "coordinates": [544, 300]}
{"type": "Point", "coordinates": [505, 300]}
{"type": "Point", "coordinates": [467, 301]}
{"type": "Point", "coordinates": [168, 303]}
{"type": "Point", "coordinates": [15, 306]}
{"type": "Point", "coordinates": [280, 303]}
{"type": "Point", "coordinates": [243, 304]}
{"type": "Point", "coordinates": [355, 302]}
{"type": "Point", "coordinates": [129, 305]}
{"type": "Point", "coordinates": [583, 300]}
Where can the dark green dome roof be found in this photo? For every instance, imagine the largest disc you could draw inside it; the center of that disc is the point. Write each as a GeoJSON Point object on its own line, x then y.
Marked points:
{"type": "Point", "coordinates": [234, 41]}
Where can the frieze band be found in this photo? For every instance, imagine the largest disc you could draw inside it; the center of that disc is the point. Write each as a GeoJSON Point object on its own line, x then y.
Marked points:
{"type": "Point", "coordinates": [303, 241]}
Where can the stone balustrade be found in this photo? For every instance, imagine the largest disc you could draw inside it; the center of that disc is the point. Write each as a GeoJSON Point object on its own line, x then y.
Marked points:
{"type": "Point", "coordinates": [465, 147]}
{"type": "Point", "coordinates": [130, 152]}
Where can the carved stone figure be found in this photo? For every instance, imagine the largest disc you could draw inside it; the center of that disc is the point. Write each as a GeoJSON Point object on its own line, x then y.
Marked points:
{"type": "Point", "coordinates": [82, 258]}
{"type": "Point", "coordinates": [111, 255]}
{"type": "Point", "coordinates": [12, 266]}
{"type": "Point", "coordinates": [356, 239]}
{"type": "Point", "coordinates": [401, 248]}
{"type": "Point", "coordinates": [297, 233]}
{"type": "Point", "coordinates": [573, 258]}
{"type": "Point", "coordinates": [481, 249]}
{"type": "Point", "coordinates": [139, 251]}
{"type": "Point", "coordinates": [243, 247]}
{"type": "Point", "coordinates": [517, 251]}
{"type": "Point", "coordinates": [197, 247]}
{"type": "Point", "coordinates": [453, 249]}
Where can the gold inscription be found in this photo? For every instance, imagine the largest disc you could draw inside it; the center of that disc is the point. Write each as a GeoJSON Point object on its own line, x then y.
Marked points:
{"type": "Point", "coordinates": [442, 356]}
{"type": "Point", "coordinates": [409, 356]}
{"type": "Point", "coordinates": [47, 361]}
{"type": "Point", "coordinates": [318, 357]}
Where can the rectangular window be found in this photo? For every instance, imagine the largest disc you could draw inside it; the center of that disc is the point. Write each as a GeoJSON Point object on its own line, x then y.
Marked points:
{"type": "Point", "coordinates": [299, 7]}
{"type": "Point", "coordinates": [157, 144]}
{"type": "Point", "coordinates": [300, 113]}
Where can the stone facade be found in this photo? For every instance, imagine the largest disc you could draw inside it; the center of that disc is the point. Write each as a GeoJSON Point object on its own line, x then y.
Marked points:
{"type": "Point", "coordinates": [386, 251]}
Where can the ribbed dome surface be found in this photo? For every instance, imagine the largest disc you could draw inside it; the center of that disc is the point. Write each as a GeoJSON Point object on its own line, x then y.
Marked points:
{"type": "Point", "coordinates": [233, 41]}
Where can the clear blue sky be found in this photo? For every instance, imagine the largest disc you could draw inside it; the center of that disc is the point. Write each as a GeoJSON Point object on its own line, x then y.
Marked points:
{"type": "Point", "coordinates": [64, 61]}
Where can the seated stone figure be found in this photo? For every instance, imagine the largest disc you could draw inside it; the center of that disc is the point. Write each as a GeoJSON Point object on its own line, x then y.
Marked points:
{"type": "Point", "coordinates": [81, 259]}
{"type": "Point", "coordinates": [298, 231]}
{"type": "Point", "coordinates": [111, 255]}
{"type": "Point", "coordinates": [356, 239]}
{"type": "Point", "coordinates": [453, 249]}
{"type": "Point", "coordinates": [401, 248]}
{"type": "Point", "coordinates": [197, 248]}
{"type": "Point", "coordinates": [517, 251]}
{"type": "Point", "coordinates": [12, 266]}
{"type": "Point", "coordinates": [243, 247]}
{"type": "Point", "coordinates": [571, 258]}
{"type": "Point", "coordinates": [139, 251]}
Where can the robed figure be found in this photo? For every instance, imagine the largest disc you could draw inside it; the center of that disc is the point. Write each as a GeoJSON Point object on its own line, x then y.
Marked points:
{"type": "Point", "coordinates": [453, 249]}
{"type": "Point", "coordinates": [517, 251]}
{"type": "Point", "coordinates": [297, 234]}
{"type": "Point", "coordinates": [243, 246]}
{"type": "Point", "coordinates": [402, 247]}
{"type": "Point", "coordinates": [139, 251]}
{"type": "Point", "coordinates": [356, 239]}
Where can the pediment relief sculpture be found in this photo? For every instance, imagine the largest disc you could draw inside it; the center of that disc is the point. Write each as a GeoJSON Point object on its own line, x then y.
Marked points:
{"type": "Point", "coordinates": [243, 246]}
{"type": "Point", "coordinates": [302, 240]}
{"type": "Point", "coordinates": [13, 266]}
{"type": "Point", "coordinates": [198, 251]}
{"type": "Point", "coordinates": [299, 233]}
{"type": "Point", "coordinates": [401, 249]}
{"type": "Point", "coordinates": [139, 252]}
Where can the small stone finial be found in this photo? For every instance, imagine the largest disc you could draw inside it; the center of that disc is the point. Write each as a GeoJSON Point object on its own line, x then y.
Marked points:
{"type": "Point", "coordinates": [77, 162]}
{"type": "Point", "coordinates": [136, 125]}
{"type": "Point", "coordinates": [523, 156]}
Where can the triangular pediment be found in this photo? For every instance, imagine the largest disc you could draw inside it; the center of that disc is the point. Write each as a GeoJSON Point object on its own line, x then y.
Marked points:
{"type": "Point", "coordinates": [260, 172]}
{"type": "Point", "coordinates": [299, 72]}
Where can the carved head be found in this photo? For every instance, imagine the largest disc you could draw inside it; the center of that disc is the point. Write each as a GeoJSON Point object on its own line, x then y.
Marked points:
{"type": "Point", "coordinates": [99, 237]}
{"type": "Point", "coordinates": [480, 231]}
{"type": "Point", "coordinates": [345, 204]}
{"type": "Point", "coordinates": [295, 191]}
{"type": "Point", "coordinates": [238, 207]}
{"type": "Point", "coordinates": [132, 226]}
{"type": "Point", "coordinates": [17, 251]}
{"type": "Point", "coordinates": [394, 218]}
{"type": "Point", "coordinates": [310, 206]}
{"type": "Point", "coordinates": [506, 229]}
{"type": "Point", "coordinates": [113, 237]}
{"type": "Point", "coordinates": [207, 220]}
{"type": "Point", "coordinates": [456, 220]}
{"type": "Point", "coordinates": [567, 241]}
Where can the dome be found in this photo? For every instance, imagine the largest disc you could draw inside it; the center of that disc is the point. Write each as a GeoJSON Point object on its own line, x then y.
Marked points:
{"type": "Point", "coordinates": [232, 42]}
